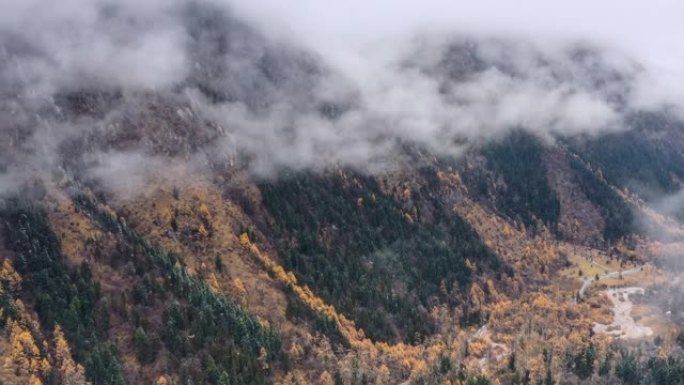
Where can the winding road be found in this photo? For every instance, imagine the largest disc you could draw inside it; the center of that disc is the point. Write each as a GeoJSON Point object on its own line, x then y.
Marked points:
{"type": "Point", "coordinates": [614, 274]}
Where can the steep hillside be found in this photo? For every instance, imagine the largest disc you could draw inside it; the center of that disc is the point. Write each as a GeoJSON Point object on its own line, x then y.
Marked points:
{"type": "Point", "coordinates": [315, 276]}
{"type": "Point", "coordinates": [646, 159]}
{"type": "Point", "coordinates": [346, 238]}
{"type": "Point", "coordinates": [186, 198]}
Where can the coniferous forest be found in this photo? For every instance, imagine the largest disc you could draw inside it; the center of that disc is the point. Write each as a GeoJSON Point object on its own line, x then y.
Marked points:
{"type": "Point", "coordinates": [341, 193]}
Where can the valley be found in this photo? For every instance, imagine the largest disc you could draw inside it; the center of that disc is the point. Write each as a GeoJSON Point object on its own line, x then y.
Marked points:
{"type": "Point", "coordinates": [192, 193]}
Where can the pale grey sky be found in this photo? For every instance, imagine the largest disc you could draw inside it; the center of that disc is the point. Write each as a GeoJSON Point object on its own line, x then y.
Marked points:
{"type": "Point", "coordinates": [651, 31]}
{"type": "Point", "coordinates": [646, 26]}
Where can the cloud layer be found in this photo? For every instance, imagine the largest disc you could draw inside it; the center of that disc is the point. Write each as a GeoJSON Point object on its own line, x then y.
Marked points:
{"type": "Point", "coordinates": [98, 86]}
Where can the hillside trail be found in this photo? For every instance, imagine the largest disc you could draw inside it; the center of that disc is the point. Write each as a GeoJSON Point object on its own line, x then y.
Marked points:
{"type": "Point", "coordinates": [613, 274]}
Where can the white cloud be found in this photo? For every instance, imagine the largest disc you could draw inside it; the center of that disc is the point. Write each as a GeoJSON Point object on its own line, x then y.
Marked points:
{"type": "Point", "coordinates": [433, 72]}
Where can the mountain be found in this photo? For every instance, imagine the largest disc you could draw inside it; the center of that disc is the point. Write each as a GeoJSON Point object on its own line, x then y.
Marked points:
{"type": "Point", "coordinates": [265, 219]}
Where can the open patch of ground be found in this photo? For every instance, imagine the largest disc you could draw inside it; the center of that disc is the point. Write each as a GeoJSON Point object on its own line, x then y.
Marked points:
{"type": "Point", "coordinates": [624, 326]}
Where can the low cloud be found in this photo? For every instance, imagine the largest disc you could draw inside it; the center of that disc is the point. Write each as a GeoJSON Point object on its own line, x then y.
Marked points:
{"type": "Point", "coordinates": [101, 88]}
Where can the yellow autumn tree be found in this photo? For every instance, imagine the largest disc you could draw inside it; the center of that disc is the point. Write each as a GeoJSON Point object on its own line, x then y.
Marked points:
{"type": "Point", "coordinates": [203, 211]}
{"type": "Point", "coordinates": [326, 379]}
{"type": "Point", "coordinates": [35, 380]}
{"type": "Point", "coordinates": [9, 276]}
{"type": "Point", "coordinates": [383, 375]}
{"type": "Point", "coordinates": [477, 296]}
{"type": "Point", "coordinates": [24, 353]}
{"type": "Point", "coordinates": [213, 282]}
{"type": "Point", "coordinates": [68, 371]}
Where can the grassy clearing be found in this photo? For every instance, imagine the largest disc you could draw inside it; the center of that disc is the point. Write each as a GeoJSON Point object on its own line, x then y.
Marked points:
{"type": "Point", "coordinates": [598, 263]}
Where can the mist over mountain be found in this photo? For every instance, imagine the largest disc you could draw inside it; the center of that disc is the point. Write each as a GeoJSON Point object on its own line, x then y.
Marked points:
{"type": "Point", "coordinates": [225, 90]}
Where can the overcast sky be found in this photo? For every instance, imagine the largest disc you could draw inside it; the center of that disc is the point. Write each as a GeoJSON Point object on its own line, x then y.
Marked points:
{"type": "Point", "coordinates": [649, 26]}
{"type": "Point", "coordinates": [651, 30]}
